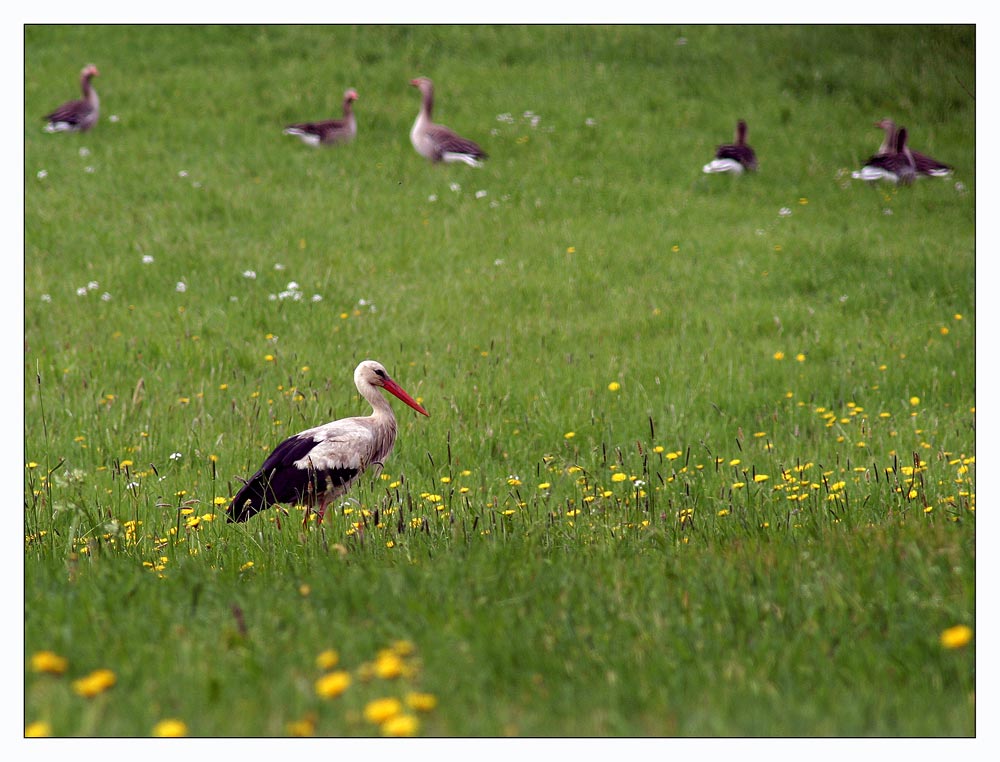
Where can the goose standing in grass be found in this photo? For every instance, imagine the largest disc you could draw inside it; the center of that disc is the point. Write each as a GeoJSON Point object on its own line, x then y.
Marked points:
{"type": "Point", "coordinates": [927, 166]}
{"type": "Point", "coordinates": [737, 157]}
{"type": "Point", "coordinates": [330, 131]}
{"type": "Point", "coordinates": [435, 141]}
{"type": "Point", "coordinates": [320, 464]}
{"type": "Point", "coordinates": [79, 115]}
{"type": "Point", "coordinates": [895, 166]}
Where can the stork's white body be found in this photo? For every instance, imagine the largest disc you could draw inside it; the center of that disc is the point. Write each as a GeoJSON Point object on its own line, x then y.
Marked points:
{"type": "Point", "coordinates": [319, 465]}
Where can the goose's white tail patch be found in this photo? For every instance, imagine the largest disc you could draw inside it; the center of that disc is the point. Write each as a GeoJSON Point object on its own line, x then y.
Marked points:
{"type": "Point", "coordinates": [723, 165]}
{"type": "Point", "coordinates": [306, 137]}
{"type": "Point", "coordinates": [464, 157]}
{"type": "Point", "coordinates": [870, 174]}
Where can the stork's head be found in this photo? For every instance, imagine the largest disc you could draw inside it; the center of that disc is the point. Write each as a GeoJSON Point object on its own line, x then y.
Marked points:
{"type": "Point", "coordinates": [373, 373]}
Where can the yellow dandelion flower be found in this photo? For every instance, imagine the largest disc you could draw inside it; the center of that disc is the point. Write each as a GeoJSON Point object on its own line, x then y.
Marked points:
{"type": "Point", "coordinates": [96, 682]}
{"type": "Point", "coordinates": [944, 330]}
{"type": "Point", "coordinates": [304, 728]}
{"type": "Point", "coordinates": [569, 435]}
{"type": "Point", "coordinates": [614, 386]}
{"type": "Point", "coordinates": [958, 636]}
{"type": "Point", "coordinates": [401, 726]}
{"type": "Point", "coordinates": [761, 477]}
{"type": "Point", "coordinates": [327, 659]}
{"type": "Point", "coordinates": [619, 477]}
{"type": "Point", "coordinates": [388, 665]}
{"type": "Point", "coordinates": [246, 566]}
{"type": "Point", "coordinates": [421, 702]}
{"type": "Point", "coordinates": [779, 355]}
{"type": "Point", "coordinates": [544, 485]}
{"type": "Point", "coordinates": [734, 462]}
{"type": "Point", "coordinates": [47, 661]}
{"type": "Point", "coordinates": [739, 485]}
{"type": "Point", "coordinates": [800, 357]}
{"type": "Point", "coordinates": [378, 711]}
{"type": "Point", "coordinates": [333, 684]}
{"type": "Point", "coordinates": [220, 501]}
{"type": "Point", "coordinates": [170, 728]}
{"type": "Point", "coordinates": [914, 401]}
{"type": "Point", "coordinates": [37, 730]}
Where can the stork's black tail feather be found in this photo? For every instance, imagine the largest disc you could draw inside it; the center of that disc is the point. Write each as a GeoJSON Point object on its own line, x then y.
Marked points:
{"type": "Point", "coordinates": [251, 499]}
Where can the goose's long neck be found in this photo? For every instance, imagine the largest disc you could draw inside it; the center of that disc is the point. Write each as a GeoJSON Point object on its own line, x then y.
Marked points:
{"type": "Point", "coordinates": [89, 93]}
{"type": "Point", "coordinates": [889, 141]}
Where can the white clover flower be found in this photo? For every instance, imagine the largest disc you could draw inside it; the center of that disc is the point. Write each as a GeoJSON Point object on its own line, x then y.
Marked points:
{"type": "Point", "coordinates": [480, 194]}
{"type": "Point", "coordinates": [317, 298]}
{"type": "Point", "coordinates": [455, 187]}
{"type": "Point", "coordinates": [46, 298]}
{"type": "Point", "coordinates": [182, 173]}
{"type": "Point", "coordinates": [249, 274]}
{"type": "Point", "coordinates": [887, 212]}
{"type": "Point", "coordinates": [84, 151]}
{"type": "Point", "coordinates": [93, 285]}
{"type": "Point", "coordinates": [505, 117]}
{"type": "Point", "coordinates": [42, 174]}
{"type": "Point", "coordinates": [105, 297]}
{"type": "Point", "coordinates": [497, 262]}
{"type": "Point", "coordinates": [147, 259]}
{"type": "Point", "coordinates": [278, 266]}
{"type": "Point", "coordinates": [113, 118]}
{"type": "Point", "coordinates": [590, 121]}
{"type": "Point", "coordinates": [175, 456]}
{"type": "Point", "coordinates": [292, 286]}
{"type": "Point", "coordinates": [784, 212]}
{"type": "Point", "coordinates": [432, 198]}
{"type": "Point", "coordinates": [181, 287]}
{"type": "Point", "coordinates": [89, 170]}
{"type": "Point", "coordinates": [82, 291]}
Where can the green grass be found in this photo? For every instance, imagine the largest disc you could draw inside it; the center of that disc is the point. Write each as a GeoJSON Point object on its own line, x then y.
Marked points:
{"type": "Point", "coordinates": [701, 453]}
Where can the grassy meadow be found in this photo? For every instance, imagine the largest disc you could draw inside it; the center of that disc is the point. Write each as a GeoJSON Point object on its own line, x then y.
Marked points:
{"type": "Point", "coordinates": [700, 458]}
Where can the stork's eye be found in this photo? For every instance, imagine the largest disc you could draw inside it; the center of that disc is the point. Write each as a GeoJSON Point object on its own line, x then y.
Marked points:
{"type": "Point", "coordinates": [380, 373]}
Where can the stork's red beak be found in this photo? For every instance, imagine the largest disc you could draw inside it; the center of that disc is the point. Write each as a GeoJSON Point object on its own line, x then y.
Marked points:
{"type": "Point", "coordinates": [395, 389]}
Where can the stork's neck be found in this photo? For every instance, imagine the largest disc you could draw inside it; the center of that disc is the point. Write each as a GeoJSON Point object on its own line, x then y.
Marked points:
{"type": "Point", "coordinates": [347, 108]}
{"type": "Point", "coordinates": [741, 133]}
{"type": "Point", "coordinates": [381, 409]}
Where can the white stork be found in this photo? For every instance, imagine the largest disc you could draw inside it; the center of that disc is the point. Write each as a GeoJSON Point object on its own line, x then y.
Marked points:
{"type": "Point", "coordinates": [736, 157]}
{"type": "Point", "coordinates": [320, 464]}
{"type": "Point", "coordinates": [925, 165]}
{"type": "Point", "coordinates": [330, 131]}
{"type": "Point", "coordinates": [79, 115]}
{"type": "Point", "coordinates": [435, 141]}
{"type": "Point", "coordinates": [897, 166]}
